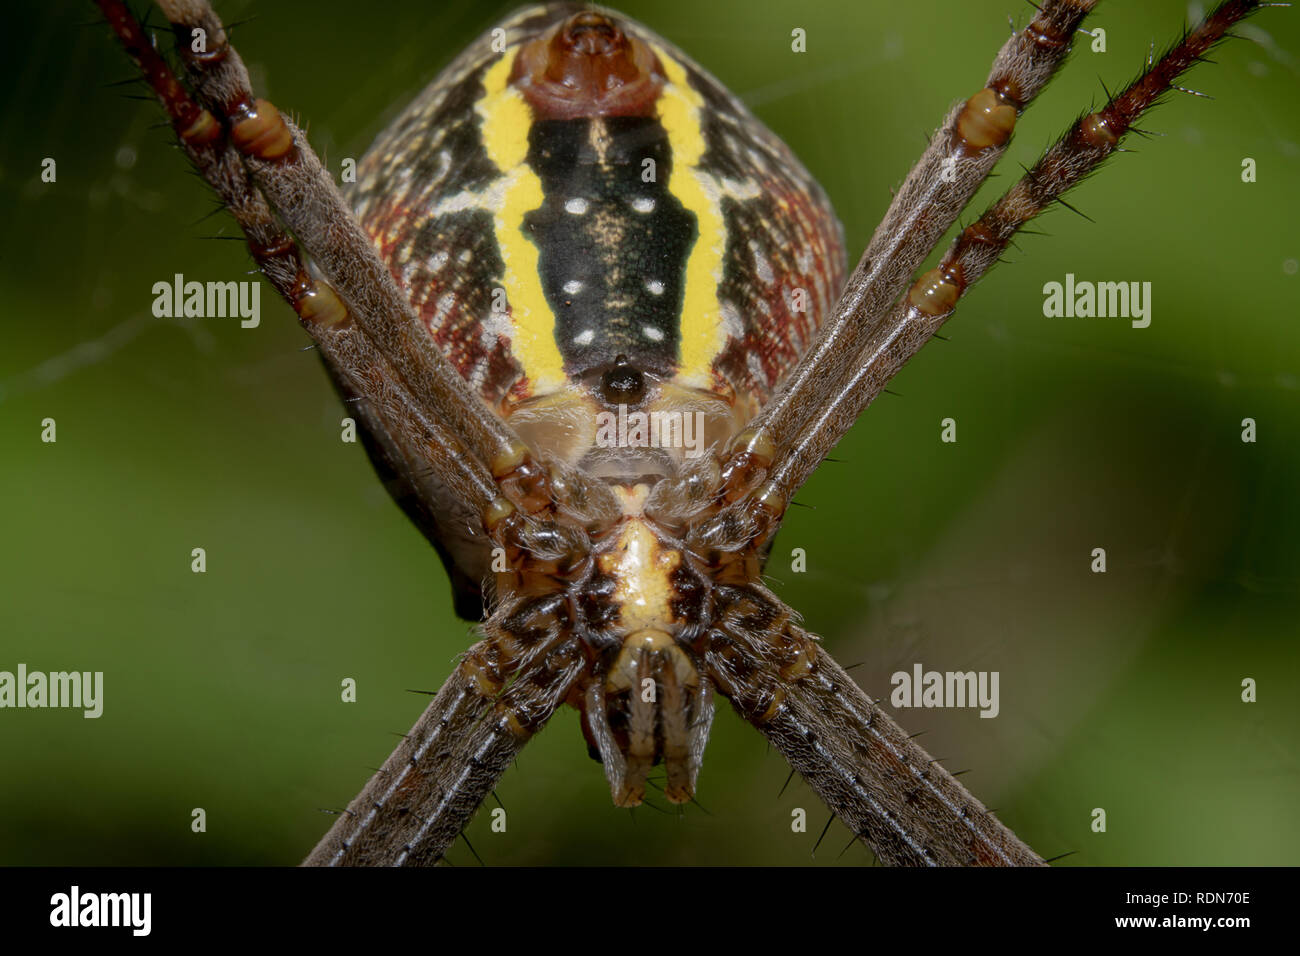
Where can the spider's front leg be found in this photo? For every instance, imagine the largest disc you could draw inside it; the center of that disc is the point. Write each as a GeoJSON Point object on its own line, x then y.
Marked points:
{"type": "Point", "coordinates": [912, 320]}
{"type": "Point", "coordinates": [285, 169]}
{"type": "Point", "coordinates": [873, 776]}
{"type": "Point", "coordinates": [960, 156]}
{"type": "Point", "coordinates": [425, 427]}
{"type": "Point", "coordinates": [932, 298]}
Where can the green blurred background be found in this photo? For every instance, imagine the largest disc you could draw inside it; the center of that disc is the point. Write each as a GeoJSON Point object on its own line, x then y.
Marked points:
{"type": "Point", "coordinates": [1119, 691]}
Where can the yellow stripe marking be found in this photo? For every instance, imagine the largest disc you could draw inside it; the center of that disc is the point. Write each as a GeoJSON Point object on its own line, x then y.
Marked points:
{"type": "Point", "coordinates": [506, 121]}
{"type": "Point", "coordinates": [702, 335]}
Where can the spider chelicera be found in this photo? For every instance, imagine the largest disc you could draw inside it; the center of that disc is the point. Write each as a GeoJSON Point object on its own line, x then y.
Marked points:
{"type": "Point", "coordinates": [572, 227]}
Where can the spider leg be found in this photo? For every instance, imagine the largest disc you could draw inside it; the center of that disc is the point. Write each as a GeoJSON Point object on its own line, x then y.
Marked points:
{"type": "Point", "coordinates": [417, 443]}
{"type": "Point", "coordinates": [282, 166]}
{"type": "Point", "coordinates": [933, 297]}
{"type": "Point", "coordinates": [288, 171]}
{"type": "Point", "coordinates": [509, 684]}
{"type": "Point", "coordinates": [959, 158]}
{"type": "Point", "coordinates": [503, 692]}
{"type": "Point", "coordinates": [877, 780]}
{"type": "Point", "coordinates": [885, 787]}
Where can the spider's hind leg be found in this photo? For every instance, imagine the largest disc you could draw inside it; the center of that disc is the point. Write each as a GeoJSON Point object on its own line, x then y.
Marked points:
{"type": "Point", "coordinates": [875, 778]}
{"type": "Point", "coordinates": [959, 157]}
{"type": "Point", "coordinates": [429, 789]}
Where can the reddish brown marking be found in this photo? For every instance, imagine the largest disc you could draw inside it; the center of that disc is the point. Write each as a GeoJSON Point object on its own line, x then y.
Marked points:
{"type": "Point", "coordinates": [489, 367]}
{"type": "Point", "coordinates": [280, 245]}
{"type": "Point", "coordinates": [775, 337]}
{"type": "Point", "coordinates": [1093, 131]}
{"type": "Point", "coordinates": [204, 130]}
{"type": "Point", "coordinates": [587, 66]}
{"type": "Point", "coordinates": [529, 484]}
{"type": "Point", "coordinates": [740, 474]}
{"type": "Point", "coordinates": [408, 788]}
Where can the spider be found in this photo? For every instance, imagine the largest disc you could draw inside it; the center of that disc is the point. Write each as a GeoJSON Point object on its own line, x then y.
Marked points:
{"type": "Point", "coordinates": [624, 581]}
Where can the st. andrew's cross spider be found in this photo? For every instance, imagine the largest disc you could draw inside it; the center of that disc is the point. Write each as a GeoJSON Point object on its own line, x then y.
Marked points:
{"type": "Point", "coordinates": [623, 580]}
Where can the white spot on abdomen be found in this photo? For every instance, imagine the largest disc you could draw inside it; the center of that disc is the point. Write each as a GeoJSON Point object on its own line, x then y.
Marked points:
{"type": "Point", "coordinates": [761, 265]}
{"type": "Point", "coordinates": [732, 323]}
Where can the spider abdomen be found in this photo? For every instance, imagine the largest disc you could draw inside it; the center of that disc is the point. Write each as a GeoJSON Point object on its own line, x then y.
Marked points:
{"type": "Point", "coordinates": [573, 189]}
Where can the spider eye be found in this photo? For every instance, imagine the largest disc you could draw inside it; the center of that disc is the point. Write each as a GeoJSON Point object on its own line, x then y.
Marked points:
{"type": "Point", "coordinates": [623, 384]}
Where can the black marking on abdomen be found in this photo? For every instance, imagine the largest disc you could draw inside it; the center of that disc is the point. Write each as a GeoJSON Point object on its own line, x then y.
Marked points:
{"type": "Point", "coordinates": [612, 249]}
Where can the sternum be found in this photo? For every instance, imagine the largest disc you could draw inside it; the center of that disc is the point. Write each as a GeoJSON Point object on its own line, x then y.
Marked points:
{"type": "Point", "coordinates": [642, 567]}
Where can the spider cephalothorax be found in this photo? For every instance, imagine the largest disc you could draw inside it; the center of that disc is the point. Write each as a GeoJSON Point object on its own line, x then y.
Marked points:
{"type": "Point", "coordinates": [590, 314]}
